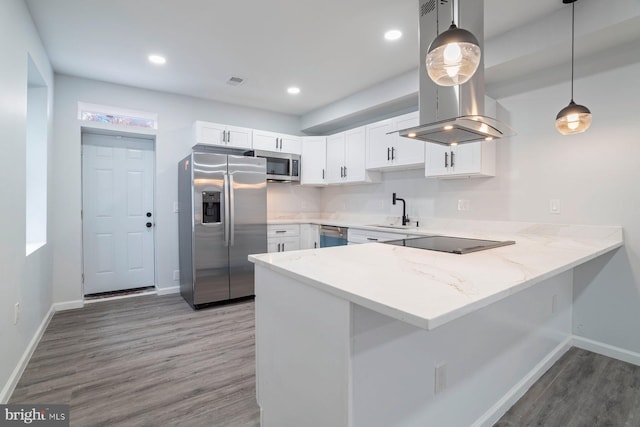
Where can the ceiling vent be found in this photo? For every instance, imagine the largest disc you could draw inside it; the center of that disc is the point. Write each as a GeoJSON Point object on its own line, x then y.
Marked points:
{"type": "Point", "coordinates": [235, 81]}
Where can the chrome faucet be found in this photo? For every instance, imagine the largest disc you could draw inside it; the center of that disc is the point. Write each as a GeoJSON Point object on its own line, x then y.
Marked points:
{"type": "Point", "coordinates": [405, 218]}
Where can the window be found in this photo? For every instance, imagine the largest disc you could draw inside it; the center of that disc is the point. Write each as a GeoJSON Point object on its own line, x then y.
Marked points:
{"type": "Point", "coordinates": [116, 116]}
{"type": "Point", "coordinates": [36, 159]}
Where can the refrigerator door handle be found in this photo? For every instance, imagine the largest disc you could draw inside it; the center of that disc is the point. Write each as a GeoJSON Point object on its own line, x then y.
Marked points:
{"type": "Point", "coordinates": [232, 211]}
{"type": "Point", "coordinates": [226, 209]}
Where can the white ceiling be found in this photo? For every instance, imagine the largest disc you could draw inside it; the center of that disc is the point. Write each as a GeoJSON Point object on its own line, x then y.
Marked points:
{"type": "Point", "coordinates": [329, 48]}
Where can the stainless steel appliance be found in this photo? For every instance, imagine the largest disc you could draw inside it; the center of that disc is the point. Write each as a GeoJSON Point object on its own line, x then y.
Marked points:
{"type": "Point", "coordinates": [282, 167]}
{"type": "Point", "coordinates": [330, 235]}
{"type": "Point", "coordinates": [454, 245]}
{"type": "Point", "coordinates": [222, 219]}
{"type": "Point", "coordinates": [453, 114]}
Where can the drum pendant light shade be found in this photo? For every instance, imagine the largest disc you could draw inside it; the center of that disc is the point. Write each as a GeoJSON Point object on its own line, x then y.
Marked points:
{"type": "Point", "coordinates": [453, 57]}
{"type": "Point", "coordinates": [573, 118]}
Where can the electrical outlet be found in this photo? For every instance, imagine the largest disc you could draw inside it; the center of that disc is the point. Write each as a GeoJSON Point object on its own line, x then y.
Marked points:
{"type": "Point", "coordinates": [176, 274]}
{"type": "Point", "coordinates": [554, 206]}
{"type": "Point", "coordinates": [463, 205]}
{"type": "Point", "coordinates": [16, 313]}
{"type": "Point", "coordinates": [440, 382]}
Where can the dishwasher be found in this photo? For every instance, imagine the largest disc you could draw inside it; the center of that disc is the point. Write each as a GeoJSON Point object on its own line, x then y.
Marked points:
{"type": "Point", "coordinates": [331, 235]}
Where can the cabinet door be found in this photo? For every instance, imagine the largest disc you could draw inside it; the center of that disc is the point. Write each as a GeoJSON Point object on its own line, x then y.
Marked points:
{"type": "Point", "coordinates": [437, 160]}
{"type": "Point", "coordinates": [273, 244]}
{"type": "Point", "coordinates": [290, 144]}
{"type": "Point", "coordinates": [355, 155]}
{"type": "Point", "coordinates": [314, 161]}
{"type": "Point", "coordinates": [238, 137]}
{"type": "Point", "coordinates": [335, 158]}
{"type": "Point", "coordinates": [263, 140]}
{"type": "Point", "coordinates": [467, 159]}
{"type": "Point", "coordinates": [407, 151]}
{"type": "Point", "coordinates": [290, 243]}
{"type": "Point", "coordinates": [209, 133]}
{"type": "Point", "coordinates": [379, 144]}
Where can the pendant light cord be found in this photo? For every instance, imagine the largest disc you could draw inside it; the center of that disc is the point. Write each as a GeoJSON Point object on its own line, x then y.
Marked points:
{"type": "Point", "coordinates": [453, 13]}
{"type": "Point", "coordinates": [573, 24]}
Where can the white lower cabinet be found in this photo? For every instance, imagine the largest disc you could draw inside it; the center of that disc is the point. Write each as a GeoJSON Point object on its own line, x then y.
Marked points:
{"type": "Point", "coordinates": [283, 237]}
{"type": "Point", "coordinates": [475, 159]}
{"type": "Point", "coordinates": [357, 235]}
{"type": "Point", "coordinates": [309, 236]}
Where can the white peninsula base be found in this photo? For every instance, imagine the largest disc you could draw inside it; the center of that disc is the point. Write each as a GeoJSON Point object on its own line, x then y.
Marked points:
{"type": "Point", "coordinates": [325, 361]}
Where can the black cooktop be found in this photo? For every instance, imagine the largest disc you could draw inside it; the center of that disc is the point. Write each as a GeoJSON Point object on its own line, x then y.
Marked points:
{"type": "Point", "coordinates": [454, 245]}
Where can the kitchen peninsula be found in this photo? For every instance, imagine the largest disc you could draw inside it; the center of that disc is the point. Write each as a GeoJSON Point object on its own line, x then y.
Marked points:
{"type": "Point", "coordinates": [382, 335]}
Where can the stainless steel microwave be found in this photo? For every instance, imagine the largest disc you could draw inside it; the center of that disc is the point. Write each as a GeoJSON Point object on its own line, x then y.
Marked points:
{"type": "Point", "coordinates": [282, 167]}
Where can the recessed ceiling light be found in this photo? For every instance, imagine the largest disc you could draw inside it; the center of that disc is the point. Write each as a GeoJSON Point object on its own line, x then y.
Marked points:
{"type": "Point", "coordinates": [393, 35]}
{"type": "Point", "coordinates": [448, 127]}
{"type": "Point", "coordinates": [157, 59]}
{"type": "Point", "coordinates": [293, 90]}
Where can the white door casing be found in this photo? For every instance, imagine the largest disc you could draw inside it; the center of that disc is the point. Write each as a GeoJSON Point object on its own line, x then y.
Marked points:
{"type": "Point", "coordinates": [117, 196]}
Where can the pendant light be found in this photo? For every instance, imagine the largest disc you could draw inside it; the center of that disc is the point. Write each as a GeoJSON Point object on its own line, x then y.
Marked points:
{"type": "Point", "coordinates": [573, 118]}
{"type": "Point", "coordinates": [453, 56]}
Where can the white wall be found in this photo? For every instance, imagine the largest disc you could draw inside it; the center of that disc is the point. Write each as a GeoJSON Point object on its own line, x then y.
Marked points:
{"type": "Point", "coordinates": [176, 115]}
{"type": "Point", "coordinates": [289, 199]}
{"type": "Point", "coordinates": [595, 175]}
{"type": "Point", "coordinates": [25, 279]}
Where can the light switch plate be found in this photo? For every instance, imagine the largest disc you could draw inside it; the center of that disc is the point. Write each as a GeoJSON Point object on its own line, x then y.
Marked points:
{"type": "Point", "coordinates": [554, 206]}
{"type": "Point", "coordinates": [463, 205]}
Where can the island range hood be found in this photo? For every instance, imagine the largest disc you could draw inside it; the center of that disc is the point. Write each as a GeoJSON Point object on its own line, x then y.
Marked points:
{"type": "Point", "coordinates": [453, 114]}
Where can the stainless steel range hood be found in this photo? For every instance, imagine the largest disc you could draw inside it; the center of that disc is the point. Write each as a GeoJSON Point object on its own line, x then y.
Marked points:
{"type": "Point", "coordinates": [455, 114]}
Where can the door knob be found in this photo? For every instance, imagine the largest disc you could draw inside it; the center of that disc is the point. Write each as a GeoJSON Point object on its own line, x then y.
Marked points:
{"type": "Point", "coordinates": [149, 225]}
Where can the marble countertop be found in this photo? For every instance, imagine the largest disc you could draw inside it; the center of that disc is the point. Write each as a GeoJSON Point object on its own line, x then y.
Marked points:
{"type": "Point", "coordinates": [427, 288]}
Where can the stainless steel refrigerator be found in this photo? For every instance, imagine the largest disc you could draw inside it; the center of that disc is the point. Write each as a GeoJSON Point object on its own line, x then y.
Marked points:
{"type": "Point", "coordinates": [222, 219]}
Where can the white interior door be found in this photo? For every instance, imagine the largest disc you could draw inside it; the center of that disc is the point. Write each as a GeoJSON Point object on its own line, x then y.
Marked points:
{"type": "Point", "coordinates": [118, 217]}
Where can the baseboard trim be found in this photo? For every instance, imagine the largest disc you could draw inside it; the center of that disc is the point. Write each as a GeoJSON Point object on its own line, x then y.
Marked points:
{"type": "Point", "coordinates": [167, 291]}
{"type": "Point", "coordinates": [607, 350]}
{"type": "Point", "coordinates": [11, 384]}
{"type": "Point", "coordinates": [494, 413]}
{"type": "Point", "coordinates": [68, 305]}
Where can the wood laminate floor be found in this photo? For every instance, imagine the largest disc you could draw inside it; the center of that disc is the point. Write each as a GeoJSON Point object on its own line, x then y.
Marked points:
{"type": "Point", "coordinates": [147, 361]}
{"type": "Point", "coordinates": [582, 389]}
{"type": "Point", "coordinates": [153, 361]}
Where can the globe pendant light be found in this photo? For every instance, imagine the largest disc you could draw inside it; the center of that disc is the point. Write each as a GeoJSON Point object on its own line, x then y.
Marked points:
{"type": "Point", "coordinates": [453, 56]}
{"type": "Point", "coordinates": [573, 118]}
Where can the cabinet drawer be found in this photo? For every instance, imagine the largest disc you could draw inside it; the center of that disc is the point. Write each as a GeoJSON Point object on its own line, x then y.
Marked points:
{"type": "Point", "coordinates": [282, 230]}
{"type": "Point", "coordinates": [366, 236]}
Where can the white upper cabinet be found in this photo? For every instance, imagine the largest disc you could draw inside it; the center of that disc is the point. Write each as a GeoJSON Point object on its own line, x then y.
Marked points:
{"type": "Point", "coordinates": [386, 150]}
{"type": "Point", "coordinates": [379, 143]}
{"type": "Point", "coordinates": [222, 135]}
{"type": "Point", "coordinates": [335, 158]}
{"type": "Point", "coordinates": [271, 141]}
{"type": "Point", "coordinates": [346, 158]}
{"type": "Point", "coordinates": [475, 159]}
{"type": "Point", "coordinates": [314, 160]}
